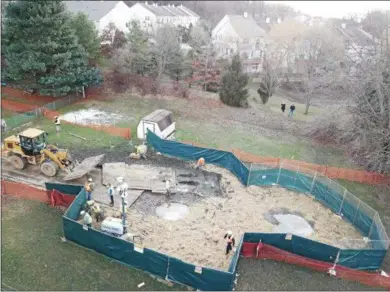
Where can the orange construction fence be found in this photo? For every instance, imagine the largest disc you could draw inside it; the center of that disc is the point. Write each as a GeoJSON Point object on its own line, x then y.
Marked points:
{"type": "Point", "coordinates": [24, 191]}
{"type": "Point", "coordinates": [114, 131]}
{"type": "Point", "coordinates": [360, 176]}
{"type": "Point", "coordinates": [17, 106]}
{"type": "Point", "coordinates": [37, 99]}
{"type": "Point", "coordinates": [264, 251]}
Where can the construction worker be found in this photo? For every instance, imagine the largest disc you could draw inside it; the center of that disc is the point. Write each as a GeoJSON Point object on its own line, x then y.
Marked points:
{"type": "Point", "coordinates": [57, 122]}
{"type": "Point", "coordinates": [88, 188]}
{"type": "Point", "coordinates": [87, 218]}
{"type": "Point", "coordinates": [3, 125]}
{"type": "Point", "coordinates": [110, 193]}
{"type": "Point", "coordinates": [141, 150]}
{"type": "Point", "coordinates": [200, 163]}
{"type": "Point", "coordinates": [97, 212]}
{"type": "Point", "coordinates": [230, 241]}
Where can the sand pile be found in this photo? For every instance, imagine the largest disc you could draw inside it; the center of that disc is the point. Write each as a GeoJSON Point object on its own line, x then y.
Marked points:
{"type": "Point", "coordinates": [198, 237]}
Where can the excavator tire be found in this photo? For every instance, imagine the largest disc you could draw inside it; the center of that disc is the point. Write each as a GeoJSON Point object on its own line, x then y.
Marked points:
{"type": "Point", "coordinates": [18, 162]}
{"type": "Point", "coordinates": [49, 168]}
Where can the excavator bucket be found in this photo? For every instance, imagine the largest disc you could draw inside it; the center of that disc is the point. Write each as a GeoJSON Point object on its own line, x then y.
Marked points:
{"type": "Point", "coordinates": [84, 167]}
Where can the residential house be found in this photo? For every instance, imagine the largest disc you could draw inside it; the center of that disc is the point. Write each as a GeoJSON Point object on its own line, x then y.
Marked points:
{"type": "Point", "coordinates": [102, 12]}
{"type": "Point", "coordinates": [240, 34]}
{"type": "Point", "coordinates": [151, 15]}
{"type": "Point", "coordinates": [359, 43]}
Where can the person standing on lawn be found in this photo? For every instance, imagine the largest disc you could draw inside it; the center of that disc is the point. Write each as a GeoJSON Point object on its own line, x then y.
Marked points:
{"type": "Point", "coordinates": [57, 123]}
{"type": "Point", "coordinates": [3, 126]}
{"type": "Point", "coordinates": [292, 110]}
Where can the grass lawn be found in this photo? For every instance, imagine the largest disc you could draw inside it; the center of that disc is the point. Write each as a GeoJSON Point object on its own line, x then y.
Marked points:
{"type": "Point", "coordinates": [34, 258]}
{"type": "Point", "coordinates": [268, 275]}
{"type": "Point", "coordinates": [95, 139]}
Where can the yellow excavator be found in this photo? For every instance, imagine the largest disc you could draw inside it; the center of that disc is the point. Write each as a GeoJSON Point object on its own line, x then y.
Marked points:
{"type": "Point", "coordinates": [29, 147]}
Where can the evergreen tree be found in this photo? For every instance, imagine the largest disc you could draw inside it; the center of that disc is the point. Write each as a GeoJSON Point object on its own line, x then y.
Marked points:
{"type": "Point", "coordinates": [87, 34]}
{"type": "Point", "coordinates": [233, 90]}
{"type": "Point", "coordinates": [42, 48]}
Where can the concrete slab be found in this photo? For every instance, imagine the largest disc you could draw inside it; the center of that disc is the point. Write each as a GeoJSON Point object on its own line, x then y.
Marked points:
{"type": "Point", "coordinates": [139, 177]}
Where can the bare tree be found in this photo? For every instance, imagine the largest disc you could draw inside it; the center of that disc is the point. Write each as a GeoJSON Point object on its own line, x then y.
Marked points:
{"type": "Point", "coordinates": [166, 49]}
{"type": "Point", "coordinates": [323, 53]}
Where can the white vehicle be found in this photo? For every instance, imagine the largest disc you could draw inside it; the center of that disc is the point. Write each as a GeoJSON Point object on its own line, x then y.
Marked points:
{"type": "Point", "coordinates": [160, 122]}
{"type": "Point", "coordinates": [112, 226]}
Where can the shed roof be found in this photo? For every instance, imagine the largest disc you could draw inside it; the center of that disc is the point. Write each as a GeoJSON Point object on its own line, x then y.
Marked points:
{"type": "Point", "coordinates": [31, 133]}
{"type": "Point", "coordinates": [94, 9]}
{"type": "Point", "coordinates": [157, 115]}
{"type": "Point", "coordinates": [245, 27]}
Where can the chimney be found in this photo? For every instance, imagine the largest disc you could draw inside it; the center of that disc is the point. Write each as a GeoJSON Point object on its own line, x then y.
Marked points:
{"type": "Point", "coordinates": [267, 20]}
{"type": "Point", "coordinates": [343, 25]}
{"type": "Point", "coordinates": [246, 14]}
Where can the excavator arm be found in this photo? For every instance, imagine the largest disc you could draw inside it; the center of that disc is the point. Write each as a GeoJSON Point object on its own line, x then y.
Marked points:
{"type": "Point", "coordinates": [53, 157]}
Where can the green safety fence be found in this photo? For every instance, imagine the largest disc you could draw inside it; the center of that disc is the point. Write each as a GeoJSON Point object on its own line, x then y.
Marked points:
{"type": "Point", "coordinates": [64, 188]}
{"type": "Point", "coordinates": [333, 196]}
{"type": "Point", "coordinates": [145, 259]}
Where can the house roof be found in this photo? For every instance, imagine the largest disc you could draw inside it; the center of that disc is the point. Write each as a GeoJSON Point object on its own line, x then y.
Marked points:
{"type": "Point", "coordinates": [95, 10]}
{"type": "Point", "coordinates": [245, 27]}
{"type": "Point", "coordinates": [169, 10]}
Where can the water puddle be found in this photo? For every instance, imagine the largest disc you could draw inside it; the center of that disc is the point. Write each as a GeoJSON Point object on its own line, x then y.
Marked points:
{"type": "Point", "coordinates": [289, 223]}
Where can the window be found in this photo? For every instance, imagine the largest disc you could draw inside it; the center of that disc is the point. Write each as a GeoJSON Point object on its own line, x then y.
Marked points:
{"type": "Point", "coordinates": [147, 18]}
{"type": "Point", "coordinates": [252, 53]}
{"type": "Point", "coordinates": [245, 41]}
{"type": "Point", "coordinates": [254, 67]}
{"type": "Point", "coordinates": [227, 51]}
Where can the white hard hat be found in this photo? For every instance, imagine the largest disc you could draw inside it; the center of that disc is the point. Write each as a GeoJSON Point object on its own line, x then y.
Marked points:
{"type": "Point", "coordinates": [229, 232]}
{"type": "Point", "coordinates": [120, 179]}
{"type": "Point", "coordinates": [90, 179]}
{"type": "Point", "coordinates": [82, 212]}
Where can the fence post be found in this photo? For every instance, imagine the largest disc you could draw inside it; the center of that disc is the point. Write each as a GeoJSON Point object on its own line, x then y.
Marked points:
{"type": "Point", "coordinates": [354, 217]}
{"type": "Point", "coordinates": [167, 272]}
{"type": "Point", "coordinates": [342, 203]}
{"type": "Point", "coordinates": [249, 174]}
{"type": "Point", "coordinates": [280, 169]}
{"type": "Point", "coordinates": [295, 179]}
{"type": "Point", "coordinates": [312, 184]}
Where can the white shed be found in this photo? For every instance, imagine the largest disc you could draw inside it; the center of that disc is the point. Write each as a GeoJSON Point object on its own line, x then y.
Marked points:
{"type": "Point", "coordinates": [159, 122]}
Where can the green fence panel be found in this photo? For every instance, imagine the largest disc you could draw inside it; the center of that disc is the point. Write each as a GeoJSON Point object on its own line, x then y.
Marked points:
{"type": "Point", "coordinates": [115, 248]}
{"type": "Point", "coordinates": [362, 259]}
{"type": "Point", "coordinates": [64, 188]}
{"type": "Point", "coordinates": [313, 249]}
{"type": "Point", "coordinates": [189, 152]}
{"type": "Point", "coordinates": [363, 222]}
{"type": "Point", "coordinates": [73, 211]}
{"type": "Point", "coordinates": [328, 197]}
{"type": "Point", "coordinates": [303, 183]}
{"type": "Point", "coordinates": [275, 239]}
{"type": "Point", "coordinates": [286, 178]}
{"type": "Point", "coordinates": [266, 177]}
{"type": "Point", "coordinates": [204, 279]}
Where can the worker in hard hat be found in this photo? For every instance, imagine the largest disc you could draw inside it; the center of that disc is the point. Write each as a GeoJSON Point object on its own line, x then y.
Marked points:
{"type": "Point", "coordinates": [141, 150]}
{"type": "Point", "coordinates": [230, 241]}
{"type": "Point", "coordinates": [87, 220]}
{"type": "Point", "coordinates": [111, 192]}
{"type": "Point", "coordinates": [88, 188]}
{"type": "Point", "coordinates": [97, 212]}
{"type": "Point", "coordinates": [200, 163]}
{"type": "Point", "coordinates": [57, 123]}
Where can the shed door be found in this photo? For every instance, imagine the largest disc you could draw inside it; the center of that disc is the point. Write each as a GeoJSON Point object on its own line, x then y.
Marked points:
{"type": "Point", "coordinates": [151, 127]}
